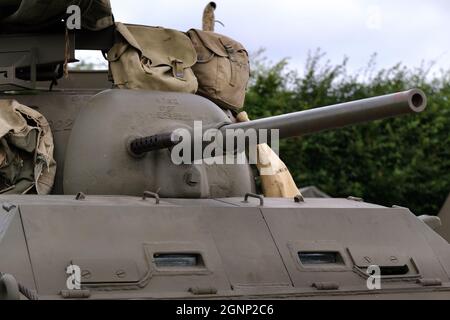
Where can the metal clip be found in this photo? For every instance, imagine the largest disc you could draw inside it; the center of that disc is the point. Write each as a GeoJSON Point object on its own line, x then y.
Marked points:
{"type": "Point", "coordinates": [80, 196]}
{"type": "Point", "coordinates": [8, 206]}
{"type": "Point", "coordinates": [178, 70]}
{"type": "Point", "coordinates": [148, 194]}
{"type": "Point", "coordinates": [256, 196]}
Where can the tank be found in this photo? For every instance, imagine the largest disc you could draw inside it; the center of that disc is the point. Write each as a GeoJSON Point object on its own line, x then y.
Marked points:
{"type": "Point", "coordinates": [124, 221]}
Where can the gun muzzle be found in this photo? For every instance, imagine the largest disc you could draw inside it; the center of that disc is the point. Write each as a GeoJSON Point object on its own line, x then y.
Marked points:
{"type": "Point", "coordinates": [338, 116]}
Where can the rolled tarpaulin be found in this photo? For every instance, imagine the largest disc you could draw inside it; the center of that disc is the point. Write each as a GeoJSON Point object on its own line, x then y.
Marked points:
{"type": "Point", "coordinates": [27, 163]}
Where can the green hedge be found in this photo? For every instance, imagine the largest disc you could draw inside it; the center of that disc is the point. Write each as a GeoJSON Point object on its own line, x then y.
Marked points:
{"type": "Point", "coordinates": [403, 161]}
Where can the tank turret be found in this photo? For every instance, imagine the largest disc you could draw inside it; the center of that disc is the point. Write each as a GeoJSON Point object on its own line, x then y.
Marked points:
{"type": "Point", "coordinates": [132, 149]}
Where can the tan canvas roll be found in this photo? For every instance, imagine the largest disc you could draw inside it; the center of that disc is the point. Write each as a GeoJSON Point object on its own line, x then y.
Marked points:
{"type": "Point", "coordinates": [26, 150]}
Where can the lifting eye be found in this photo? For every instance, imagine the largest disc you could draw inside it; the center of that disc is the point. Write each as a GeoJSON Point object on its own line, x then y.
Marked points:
{"type": "Point", "coordinates": [178, 261]}
{"type": "Point", "coordinates": [320, 258]}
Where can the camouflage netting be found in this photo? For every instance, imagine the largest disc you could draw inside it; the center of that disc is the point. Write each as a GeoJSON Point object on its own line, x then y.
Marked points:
{"type": "Point", "coordinates": [25, 14]}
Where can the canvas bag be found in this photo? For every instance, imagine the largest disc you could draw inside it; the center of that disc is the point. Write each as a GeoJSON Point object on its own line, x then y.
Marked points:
{"type": "Point", "coordinates": [222, 68]}
{"type": "Point", "coordinates": [26, 150]}
{"type": "Point", "coordinates": [152, 58]}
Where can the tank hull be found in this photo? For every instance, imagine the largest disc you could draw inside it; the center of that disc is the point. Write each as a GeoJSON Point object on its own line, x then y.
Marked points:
{"type": "Point", "coordinates": [241, 250]}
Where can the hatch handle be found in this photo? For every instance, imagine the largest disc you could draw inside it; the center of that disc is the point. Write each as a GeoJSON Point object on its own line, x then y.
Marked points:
{"type": "Point", "coordinates": [255, 196]}
{"type": "Point", "coordinates": [148, 194]}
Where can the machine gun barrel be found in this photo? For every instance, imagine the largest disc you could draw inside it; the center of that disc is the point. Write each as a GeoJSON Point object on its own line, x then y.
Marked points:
{"type": "Point", "coordinates": [339, 116]}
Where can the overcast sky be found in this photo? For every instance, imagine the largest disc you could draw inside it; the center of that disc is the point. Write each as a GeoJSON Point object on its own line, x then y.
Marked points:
{"type": "Point", "coordinates": [408, 31]}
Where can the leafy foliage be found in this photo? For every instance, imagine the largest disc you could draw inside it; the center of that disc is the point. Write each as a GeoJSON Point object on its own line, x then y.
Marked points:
{"type": "Point", "coordinates": [403, 161]}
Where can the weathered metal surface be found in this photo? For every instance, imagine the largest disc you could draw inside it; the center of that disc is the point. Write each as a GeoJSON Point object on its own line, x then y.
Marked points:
{"type": "Point", "coordinates": [103, 166]}
{"type": "Point", "coordinates": [14, 257]}
{"type": "Point", "coordinates": [246, 250]}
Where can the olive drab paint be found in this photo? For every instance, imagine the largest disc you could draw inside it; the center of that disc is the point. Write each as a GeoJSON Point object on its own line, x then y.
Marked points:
{"type": "Point", "coordinates": [124, 222]}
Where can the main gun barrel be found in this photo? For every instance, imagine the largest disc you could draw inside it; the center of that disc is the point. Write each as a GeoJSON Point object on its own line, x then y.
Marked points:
{"type": "Point", "coordinates": [338, 116]}
{"type": "Point", "coordinates": [302, 123]}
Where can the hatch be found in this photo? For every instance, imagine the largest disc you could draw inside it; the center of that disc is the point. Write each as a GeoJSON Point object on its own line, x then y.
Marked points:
{"type": "Point", "coordinates": [392, 263]}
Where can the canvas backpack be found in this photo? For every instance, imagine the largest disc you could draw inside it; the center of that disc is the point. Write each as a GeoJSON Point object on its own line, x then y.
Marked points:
{"type": "Point", "coordinates": [152, 58]}
{"type": "Point", "coordinates": [222, 68]}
